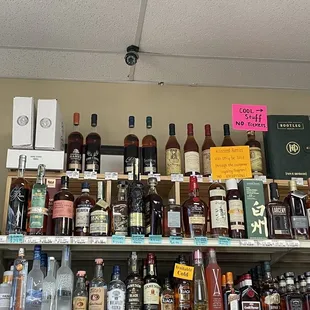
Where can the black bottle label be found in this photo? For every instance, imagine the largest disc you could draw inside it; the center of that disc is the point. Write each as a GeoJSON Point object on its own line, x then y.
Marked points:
{"type": "Point", "coordinates": [134, 295]}
{"type": "Point", "coordinates": [92, 158]}
{"type": "Point", "coordinates": [75, 158]}
{"type": "Point", "coordinates": [295, 304]}
{"type": "Point", "coordinates": [280, 220]}
{"type": "Point", "coordinates": [130, 153]}
{"type": "Point", "coordinates": [250, 305]}
{"type": "Point", "coordinates": [149, 160]}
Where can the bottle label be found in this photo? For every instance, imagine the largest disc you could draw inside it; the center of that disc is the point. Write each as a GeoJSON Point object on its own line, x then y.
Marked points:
{"type": "Point", "coordinates": [34, 299]}
{"type": "Point", "coordinates": [82, 216]}
{"type": "Point", "coordinates": [217, 193]}
{"type": "Point", "coordinates": [280, 220]}
{"type": "Point", "coordinates": [250, 305]}
{"type": "Point", "coordinates": [295, 304]}
{"type": "Point", "coordinates": [219, 218]}
{"type": "Point", "coordinates": [273, 300]}
{"type": "Point", "coordinates": [120, 219]}
{"type": "Point", "coordinates": [151, 294]}
{"type": "Point", "coordinates": [173, 161]}
{"type": "Point", "coordinates": [167, 302]}
{"type": "Point", "coordinates": [75, 160]}
{"type": "Point", "coordinates": [96, 298]}
{"type": "Point", "coordinates": [192, 162]}
{"type": "Point", "coordinates": [184, 291]}
{"type": "Point", "coordinates": [134, 295]}
{"type": "Point", "coordinates": [116, 299]}
{"type": "Point", "coordinates": [63, 208]}
{"type": "Point", "coordinates": [236, 214]}
{"type": "Point", "coordinates": [5, 300]}
{"type": "Point", "coordinates": [92, 157]}
{"type": "Point", "coordinates": [99, 222]}
{"type": "Point", "coordinates": [149, 155]}
{"type": "Point", "coordinates": [198, 219]}
{"type": "Point", "coordinates": [206, 162]}
{"type": "Point", "coordinates": [233, 301]}
{"type": "Point", "coordinates": [136, 219]}
{"type": "Point", "coordinates": [299, 222]}
{"type": "Point", "coordinates": [174, 219]}
{"type": "Point", "coordinates": [256, 159]}
{"type": "Point", "coordinates": [130, 153]}
{"type": "Point", "coordinates": [80, 303]}
{"type": "Point", "coordinates": [308, 214]}
{"type": "Point", "coordinates": [38, 210]}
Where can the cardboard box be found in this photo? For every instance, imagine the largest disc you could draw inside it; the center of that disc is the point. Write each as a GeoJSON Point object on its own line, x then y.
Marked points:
{"type": "Point", "coordinates": [50, 127]}
{"type": "Point", "coordinates": [253, 196]}
{"type": "Point", "coordinates": [23, 123]}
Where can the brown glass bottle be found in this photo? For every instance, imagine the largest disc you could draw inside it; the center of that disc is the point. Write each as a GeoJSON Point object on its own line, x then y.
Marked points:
{"type": "Point", "coordinates": [191, 153]}
{"type": "Point", "coordinates": [249, 298]}
{"type": "Point", "coordinates": [149, 150]}
{"type": "Point", "coordinates": [75, 146]}
{"type": "Point", "coordinates": [308, 201]}
{"type": "Point", "coordinates": [172, 219]}
{"type": "Point", "coordinates": [207, 144]}
{"type": "Point", "coordinates": [231, 295]}
{"type": "Point", "coordinates": [131, 147]}
{"type": "Point", "coordinates": [293, 300]}
{"type": "Point", "coordinates": [167, 296]}
{"type": "Point", "coordinates": [227, 141]}
{"type": "Point", "coordinates": [173, 153]}
{"type": "Point", "coordinates": [63, 210]}
{"type": "Point", "coordinates": [255, 153]}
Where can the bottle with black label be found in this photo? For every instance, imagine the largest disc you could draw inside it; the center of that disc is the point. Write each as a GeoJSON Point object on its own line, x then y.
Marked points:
{"type": "Point", "coordinates": [293, 300]}
{"type": "Point", "coordinates": [131, 147]}
{"type": "Point", "coordinates": [93, 144]}
{"type": "Point", "coordinates": [149, 150]}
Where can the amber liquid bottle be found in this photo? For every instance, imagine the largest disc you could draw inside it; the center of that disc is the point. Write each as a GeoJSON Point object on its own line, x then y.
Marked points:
{"type": "Point", "coordinates": [75, 146]}
{"type": "Point", "coordinates": [167, 296]}
{"type": "Point", "coordinates": [231, 295]}
{"type": "Point", "coordinates": [249, 298]}
{"type": "Point", "coordinates": [172, 219]}
{"type": "Point", "coordinates": [191, 153]}
{"type": "Point", "coordinates": [173, 153]}
{"type": "Point", "coordinates": [131, 147]}
{"type": "Point", "coordinates": [149, 150]}
{"type": "Point", "coordinates": [207, 144]}
{"type": "Point", "coordinates": [308, 201]}
{"type": "Point", "coordinates": [255, 154]}
{"type": "Point", "coordinates": [227, 141]}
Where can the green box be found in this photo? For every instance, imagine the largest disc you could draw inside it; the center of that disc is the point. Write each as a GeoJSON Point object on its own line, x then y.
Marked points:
{"type": "Point", "coordinates": [253, 197]}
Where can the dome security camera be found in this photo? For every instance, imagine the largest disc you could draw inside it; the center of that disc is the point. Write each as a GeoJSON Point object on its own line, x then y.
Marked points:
{"type": "Point", "coordinates": [132, 55]}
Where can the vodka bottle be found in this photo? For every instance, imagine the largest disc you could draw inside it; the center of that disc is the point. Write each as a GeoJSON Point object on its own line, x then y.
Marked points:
{"type": "Point", "coordinates": [80, 295]}
{"type": "Point", "coordinates": [116, 291]}
{"type": "Point", "coordinates": [5, 290]}
{"type": "Point", "coordinates": [49, 287]}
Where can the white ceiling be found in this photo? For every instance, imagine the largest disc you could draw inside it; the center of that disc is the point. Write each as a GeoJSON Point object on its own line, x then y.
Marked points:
{"type": "Point", "coordinates": [251, 43]}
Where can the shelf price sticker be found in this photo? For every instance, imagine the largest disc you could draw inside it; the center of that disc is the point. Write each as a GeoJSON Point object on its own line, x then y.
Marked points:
{"type": "Point", "coordinates": [16, 238]}
{"type": "Point", "coordinates": [90, 175]}
{"type": "Point", "coordinates": [32, 240]}
{"type": "Point", "coordinates": [292, 244]}
{"type": "Point", "coordinates": [183, 272]}
{"type": "Point", "coordinates": [247, 242]}
{"type": "Point", "coordinates": [80, 240]}
{"type": "Point", "coordinates": [137, 239]}
{"type": "Point", "coordinates": [99, 240]}
{"type": "Point", "coordinates": [224, 241]}
{"type": "Point", "coordinates": [177, 177]}
{"type": "Point", "coordinates": [175, 240]}
{"type": "Point", "coordinates": [263, 178]}
{"type": "Point", "coordinates": [201, 241]}
{"type": "Point", "coordinates": [299, 181]}
{"type": "Point", "coordinates": [154, 175]}
{"type": "Point", "coordinates": [48, 239]}
{"type": "Point", "coordinates": [111, 176]}
{"type": "Point", "coordinates": [279, 243]}
{"type": "Point", "coordinates": [73, 174]}
{"type": "Point", "coordinates": [118, 239]}
{"type": "Point", "coordinates": [130, 176]}
{"type": "Point", "coordinates": [199, 178]}
{"type": "Point", "coordinates": [155, 239]}
{"type": "Point", "coordinates": [62, 240]}
{"type": "Point", "coordinates": [3, 239]}
{"type": "Point", "coordinates": [265, 243]}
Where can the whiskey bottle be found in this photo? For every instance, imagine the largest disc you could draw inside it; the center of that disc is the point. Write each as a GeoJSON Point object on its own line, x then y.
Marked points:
{"type": "Point", "coordinates": [297, 202]}
{"type": "Point", "coordinates": [207, 144]}
{"type": "Point", "coordinates": [278, 216]}
{"type": "Point", "coordinates": [191, 152]}
{"type": "Point", "coordinates": [172, 219]}
{"type": "Point", "coordinates": [293, 300]}
{"type": "Point", "coordinates": [173, 153]}
{"type": "Point", "coordinates": [167, 299]}
{"type": "Point", "coordinates": [80, 294]}
{"type": "Point", "coordinates": [308, 201]}
{"type": "Point", "coordinates": [227, 141]}
{"type": "Point", "coordinates": [131, 147]}
{"type": "Point", "coordinates": [149, 150]}
{"type": "Point", "coordinates": [255, 154]}
{"type": "Point", "coordinates": [75, 146]}
{"type": "Point", "coordinates": [153, 210]}
{"type": "Point", "coordinates": [231, 295]}
{"type": "Point", "coordinates": [249, 298]}
{"type": "Point", "coordinates": [302, 284]}
{"type": "Point", "coordinates": [307, 293]}
{"type": "Point", "coordinates": [93, 145]}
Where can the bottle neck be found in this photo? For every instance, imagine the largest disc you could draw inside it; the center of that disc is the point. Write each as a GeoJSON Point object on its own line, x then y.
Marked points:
{"type": "Point", "coordinates": [21, 172]}
{"type": "Point", "coordinates": [99, 271]}
{"type": "Point", "coordinates": [85, 192]}
{"type": "Point", "coordinates": [268, 276]}
{"type": "Point", "coordinates": [51, 268]}
{"type": "Point", "coordinates": [65, 261]}
{"type": "Point", "coordinates": [194, 193]}
{"type": "Point", "coordinates": [37, 260]}
{"type": "Point", "coordinates": [152, 190]}
{"type": "Point", "coordinates": [212, 258]}
{"type": "Point", "coordinates": [151, 269]}
{"type": "Point", "coordinates": [134, 266]}
{"type": "Point", "coordinates": [40, 179]}
{"type": "Point", "coordinates": [64, 186]}
{"type": "Point", "coordinates": [116, 276]}
{"type": "Point", "coordinates": [122, 194]}
{"type": "Point", "coordinates": [94, 129]}
{"type": "Point", "coordinates": [76, 127]}
{"type": "Point", "coordinates": [198, 262]}
{"type": "Point", "coordinates": [80, 284]}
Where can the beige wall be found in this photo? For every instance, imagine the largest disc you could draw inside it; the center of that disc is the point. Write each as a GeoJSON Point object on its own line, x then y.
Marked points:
{"type": "Point", "coordinates": [115, 102]}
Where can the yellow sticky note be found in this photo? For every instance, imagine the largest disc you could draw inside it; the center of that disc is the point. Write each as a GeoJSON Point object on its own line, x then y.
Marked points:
{"type": "Point", "coordinates": [183, 272]}
{"type": "Point", "coordinates": [230, 162]}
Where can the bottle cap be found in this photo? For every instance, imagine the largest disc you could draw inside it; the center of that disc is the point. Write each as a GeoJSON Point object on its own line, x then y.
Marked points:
{"type": "Point", "coordinates": [289, 274]}
{"type": "Point", "coordinates": [172, 129]}
{"type": "Point", "coordinates": [131, 121]}
{"type": "Point", "coordinates": [171, 201]}
{"type": "Point", "coordinates": [152, 181]}
{"type": "Point", "coordinates": [231, 184]}
{"type": "Point", "coordinates": [122, 183]}
{"type": "Point", "coordinates": [226, 130]}
{"type": "Point", "coordinates": [224, 282]}
{"type": "Point", "coordinates": [37, 247]}
{"type": "Point", "coordinates": [250, 133]}
{"type": "Point", "coordinates": [274, 191]}
{"type": "Point", "coordinates": [198, 254]}
{"type": "Point", "coordinates": [81, 273]}
{"type": "Point", "coordinates": [22, 161]}
{"type": "Point", "coordinates": [116, 269]}
{"type": "Point", "coordinates": [208, 130]}
{"type": "Point", "coordinates": [21, 252]}
{"type": "Point", "coordinates": [149, 122]}
{"type": "Point", "coordinates": [94, 120]}
{"type": "Point", "coordinates": [190, 129]}
{"type": "Point", "coordinates": [85, 185]}
{"type": "Point", "coordinates": [229, 278]}
{"type": "Point", "coordinates": [247, 277]}
{"type": "Point", "coordinates": [307, 274]}
{"type": "Point", "coordinates": [293, 185]}
{"type": "Point", "coordinates": [76, 118]}
{"type": "Point", "coordinates": [99, 261]}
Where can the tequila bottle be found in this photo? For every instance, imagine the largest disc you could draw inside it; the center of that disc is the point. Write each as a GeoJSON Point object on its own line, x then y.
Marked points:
{"type": "Point", "coordinates": [80, 295]}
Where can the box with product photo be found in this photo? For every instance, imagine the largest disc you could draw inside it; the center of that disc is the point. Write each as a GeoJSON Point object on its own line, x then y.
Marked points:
{"type": "Point", "coordinates": [50, 127]}
{"type": "Point", "coordinates": [23, 123]}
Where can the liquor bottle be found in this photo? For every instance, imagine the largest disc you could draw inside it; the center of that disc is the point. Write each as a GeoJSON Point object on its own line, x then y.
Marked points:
{"type": "Point", "coordinates": [131, 147]}
{"type": "Point", "coordinates": [231, 295]}
{"type": "Point", "coordinates": [39, 205]}
{"type": "Point", "coordinates": [167, 296]}
{"type": "Point", "coordinates": [120, 211]}
{"type": "Point", "coordinates": [297, 202]}
{"type": "Point", "coordinates": [308, 201]}
{"type": "Point", "coordinates": [19, 284]}
{"type": "Point", "coordinates": [80, 294]}
{"type": "Point", "coordinates": [43, 263]}
{"type": "Point", "coordinates": [35, 282]}
{"type": "Point", "coordinates": [249, 298]}
{"type": "Point", "coordinates": [194, 212]}
{"type": "Point", "coordinates": [282, 286]}
{"type": "Point", "coordinates": [49, 286]}
{"type": "Point", "coordinates": [172, 219]}
{"type": "Point", "coordinates": [218, 208]}
{"type": "Point", "coordinates": [200, 285]}
{"type": "Point", "coordinates": [134, 285]}
{"type": "Point", "coordinates": [5, 290]}
{"type": "Point", "coordinates": [293, 300]}
{"type": "Point", "coordinates": [224, 283]}
{"type": "Point", "coordinates": [100, 214]}
{"type": "Point", "coordinates": [191, 153]}
{"type": "Point", "coordinates": [144, 268]}
{"type": "Point", "coordinates": [278, 216]}
{"type": "Point", "coordinates": [98, 288]}
{"type": "Point", "coordinates": [173, 153]}
{"type": "Point", "coordinates": [255, 154]}
{"type": "Point", "coordinates": [206, 158]}
{"type": "Point", "coordinates": [19, 201]}
{"type": "Point", "coordinates": [82, 206]}
{"type": "Point", "coordinates": [64, 281]}
{"type": "Point", "coordinates": [235, 210]}
{"type": "Point", "coordinates": [63, 210]}
{"type": "Point", "coordinates": [302, 283]}
{"type": "Point", "coordinates": [227, 141]}
{"type": "Point", "coordinates": [116, 291]}
{"type": "Point", "coordinates": [270, 297]}
{"type": "Point", "coordinates": [307, 293]}
{"type": "Point", "coordinates": [93, 145]}
{"type": "Point", "coordinates": [297, 286]}
{"type": "Point", "coordinates": [75, 146]}
{"type": "Point", "coordinates": [153, 210]}
{"type": "Point", "coordinates": [149, 150]}
{"type": "Point", "coordinates": [213, 275]}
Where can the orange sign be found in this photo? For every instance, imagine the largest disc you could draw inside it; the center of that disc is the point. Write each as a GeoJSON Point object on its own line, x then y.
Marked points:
{"type": "Point", "coordinates": [183, 272]}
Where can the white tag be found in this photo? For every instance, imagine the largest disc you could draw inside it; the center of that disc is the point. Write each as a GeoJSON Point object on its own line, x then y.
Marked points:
{"type": "Point", "coordinates": [3, 239]}
{"type": "Point", "coordinates": [199, 178]}
{"type": "Point", "coordinates": [177, 177]}
{"type": "Point", "coordinates": [279, 243]}
{"type": "Point", "coordinates": [90, 175]}
{"type": "Point", "coordinates": [292, 243]}
{"type": "Point", "coordinates": [73, 174]}
{"type": "Point", "coordinates": [79, 240]}
{"type": "Point", "coordinates": [130, 176]}
{"type": "Point", "coordinates": [261, 177]}
{"type": "Point", "coordinates": [99, 240]}
{"type": "Point", "coordinates": [247, 242]}
{"type": "Point", "coordinates": [48, 239]}
{"type": "Point", "coordinates": [111, 176]}
{"type": "Point", "coordinates": [299, 181]}
{"type": "Point", "coordinates": [32, 239]}
{"type": "Point", "coordinates": [155, 175]}
{"type": "Point", "coordinates": [62, 240]}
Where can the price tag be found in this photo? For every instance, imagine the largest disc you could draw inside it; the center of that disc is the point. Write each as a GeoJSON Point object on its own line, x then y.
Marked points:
{"type": "Point", "coordinates": [48, 240]}
{"type": "Point", "coordinates": [99, 240]}
{"type": "Point", "coordinates": [201, 241]}
{"type": "Point", "coordinates": [155, 175]}
{"type": "Point", "coordinates": [247, 242]}
{"type": "Point", "coordinates": [177, 177]}
{"type": "Point", "coordinates": [16, 238]}
{"type": "Point", "coordinates": [199, 178]}
{"type": "Point", "coordinates": [32, 239]}
{"type": "Point", "coordinates": [265, 243]}
{"type": "Point", "coordinates": [111, 176]}
{"type": "Point", "coordinates": [261, 177]}
{"type": "Point", "coordinates": [90, 175]}
{"type": "Point", "coordinates": [175, 240]}
{"type": "Point", "coordinates": [118, 239]}
{"type": "Point", "coordinates": [299, 181]}
{"type": "Point", "coordinates": [80, 240]}
{"type": "Point", "coordinates": [183, 272]}
{"type": "Point", "coordinates": [62, 240]}
{"type": "Point", "coordinates": [3, 239]}
{"type": "Point", "coordinates": [279, 243]}
{"type": "Point", "coordinates": [292, 243]}
{"type": "Point", "coordinates": [155, 239]}
{"type": "Point", "coordinates": [73, 174]}
{"type": "Point", "coordinates": [137, 239]}
{"type": "Point", "coordinates": [224, 241]}
{"type": "Point", "coordinates": [130, 176]}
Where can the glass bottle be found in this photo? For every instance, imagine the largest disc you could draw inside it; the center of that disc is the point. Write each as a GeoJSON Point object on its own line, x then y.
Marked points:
{"type": "Point", "coordinates": [82, 206]}
{"type": "Point", "coordinates": [297, 202]}
{"type": "Point", "coordinates": [80, 294]}
{"type": "Point", "coordinates": [131, 147]}
{"type": "Point", "coordinates": [231, 295]}
{"type": "Point", "coordinates": [19, 201]}
{"type": "Point", "coordinates": [206, 158]}
{"type": "Point", "coordinates": [278, 216]}
{"type": "Point", "coordinates": [75, 146]}
{"type": "Point", "coordinates": [227, 141]}
{"type": "Point", "coordinates": [200, 285]}
{"type": "Point", "coordinates": [116, 291]}
{"type": "Point", "coordinates": [293, 300]}
{"type": "Point", "coordinates": [249, 298]}
{"type": "Point", "coordinates": [63, 210]}
{"type": "Point", "coordinates": [93, 147]}
{"type": "Point", "coordinates": [297, 286]}
{"type": "Point", "coordinates": [98, 288]}
{"type": "Point", "coordinates": [153, 210]}
{"type": "Point", "coordinates": [302, 283]}
{"type": "Point", "coordinates": [255, 154]}
{"type": "Point", "coordinates": [43, 264]}
{"type": "Point", "coordinates": [173, 153]}
{"type": "Point", "coordinates": [149, 150]}
{"type": "Point", "coordinates": [172, 219]}
{"type": "Point", "coordinates": [191, 153]}
{"type": "Point", "coordinates": [39, 205]}
{"type": "Point", "coordinates": [306, 302]}
{"type": "Point", "coordinates": [235, 210]}
{"type": "Point", "coordinates": [167, 296]}
{"type": "Point", "coordinates": [218, 208]}
{"type": "Point", "coordinates": [308, 201]}
{"type": "Point", "coordinates": [5, 290]}
{"type": "Point", "coordinates": [120, 211]}
{"type": "Point", "coordinates": [49, 287]}
{"type": "Point", "coordinates": [224, 283]}
{"type": "Point", "coordinates": [282, 290]}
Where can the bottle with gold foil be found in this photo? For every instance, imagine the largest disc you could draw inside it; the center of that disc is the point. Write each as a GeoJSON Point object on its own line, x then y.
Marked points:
{"type": "Point", "coordinates": [255, 153]}
{"type": "Point", "coordinates": [173, 153]}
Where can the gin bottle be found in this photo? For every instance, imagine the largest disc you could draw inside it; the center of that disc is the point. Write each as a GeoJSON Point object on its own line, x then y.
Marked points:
{"type": "Point", "coordinates": [49, 287]}
{"type": "Point", "coordinates": [116, 291]}
{"type": "Point", "coordinates": [80, 295]}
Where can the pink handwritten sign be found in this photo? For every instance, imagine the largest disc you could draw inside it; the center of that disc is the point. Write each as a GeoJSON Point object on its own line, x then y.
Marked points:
{"type": "Point", "coordinates": [249, 117]}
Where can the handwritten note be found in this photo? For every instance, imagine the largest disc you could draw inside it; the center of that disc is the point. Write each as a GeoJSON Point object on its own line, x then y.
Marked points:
{"type": "Point", "coordinates": [183, 272]}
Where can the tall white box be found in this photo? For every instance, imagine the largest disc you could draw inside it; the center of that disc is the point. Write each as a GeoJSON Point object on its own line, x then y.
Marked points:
{"type": "Point", "coordinates": [50, 127]}
{"type": "Point", "coordinates": [23, 123]}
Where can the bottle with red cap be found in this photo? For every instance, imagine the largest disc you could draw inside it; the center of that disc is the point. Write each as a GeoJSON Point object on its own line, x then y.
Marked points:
{"type": "Point", "coordinates": [249, 298]}
{"type": "Point", "coordinates": [191, 152]}
{"type": "Point", "coordinates": [80, 295]}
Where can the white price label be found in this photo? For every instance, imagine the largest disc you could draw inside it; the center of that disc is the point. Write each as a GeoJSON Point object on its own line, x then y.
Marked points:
{"type": "Point", "coordinates": [80, 240]}
{"type": "Point", "coordinates": [99, 240]}
{"type": "Point", "coordinates": [247, 242]}
{"type": "Point", "coordinates": [3, 239]}
{"type": "Point", "coordinates": [62, 240]}
{"type": "Point", "coordinates": [261, 177]}
{"type": "Point", "coordinates": [155, 175]}
{"type": "Point", "coordinates": [177, 177]}
{"type": "Point", "coordinates": [90, 175]}
{"type": "Point", "coordinates": [32, 239]}
{"type": "Point", "coordinates": [73, 174]}
{"type": "Point", "coordinates": [111, 176]}
{"type": "Point", "coordinates": [299, 181]}
{"type": "Point", "coordinates": [279, 243]}
{"type": "Point", "coordinates": [292, 243]}
{"type": "Point", "coordinates": [130, 176]}
{"type": "Point", "coordinates": [199, 178]}
{"type": "Point", "coordinates": [48, 239]}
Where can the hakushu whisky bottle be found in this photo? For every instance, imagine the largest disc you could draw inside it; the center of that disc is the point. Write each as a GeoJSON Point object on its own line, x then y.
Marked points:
{"type": "Point", "coordinates": [149, 150]}
{"type": "Point", "coordinates": [131, 147]}
{"type": "Point", "coordinates": [173, 153]}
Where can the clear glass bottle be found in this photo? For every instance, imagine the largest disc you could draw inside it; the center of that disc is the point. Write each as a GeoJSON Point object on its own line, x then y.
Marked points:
{"type": "Point", "coordinates": [173, 153]}
{"type": "Point", "coordinates": [131, 147]}
{"type": "Point", "coordinates": [255, 154]}
{"type": "Point", "coordinates": [43, 264]}
{"type": "Point", "coordinates": [149, 150]}
{"type": "Point", "coordinates": [5, 290]}
{"type": "Point", "coordinates": [167, 296]}
{"type": "Point", "coordinates": [191, 153]}
{"type": "Point", "coordinates": [116, 291]}
{"type": "Point", "coordinates": [207, 144]}
{"type": "Point", "coordinates": [49, 287]}
{"type": "Point", "coordinates": [80, 294]}
{"type": "Point", "coordinates": [227, 141]}
{"type": "Point", "coordinates": [172, 219]}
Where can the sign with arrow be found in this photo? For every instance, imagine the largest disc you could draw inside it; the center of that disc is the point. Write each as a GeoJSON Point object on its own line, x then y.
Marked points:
{"type": "Point", "coordinates": [249, 117]}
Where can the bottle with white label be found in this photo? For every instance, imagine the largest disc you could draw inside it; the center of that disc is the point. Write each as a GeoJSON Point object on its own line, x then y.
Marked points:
{"type": "Point", "coordinates": [80, 294]}
{"type": "Point", "coordinates": [249, 298]}
{"type": "Point", "coordinates": [173, 153]}
{"type": "Point", "coordinates": [207, 144]}
{"type": "Point", "coordinates": [5, 290]}
{"type": "Point", "coordinates": [191, 153]}
{"type": "Point", "coordinates": [172, 219]}
{"type": "Point", "coordinates": [116, 291]}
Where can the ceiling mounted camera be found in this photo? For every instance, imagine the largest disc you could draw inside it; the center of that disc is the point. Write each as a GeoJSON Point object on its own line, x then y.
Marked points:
{"type": "Point", "coordinates": [132, 55]}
